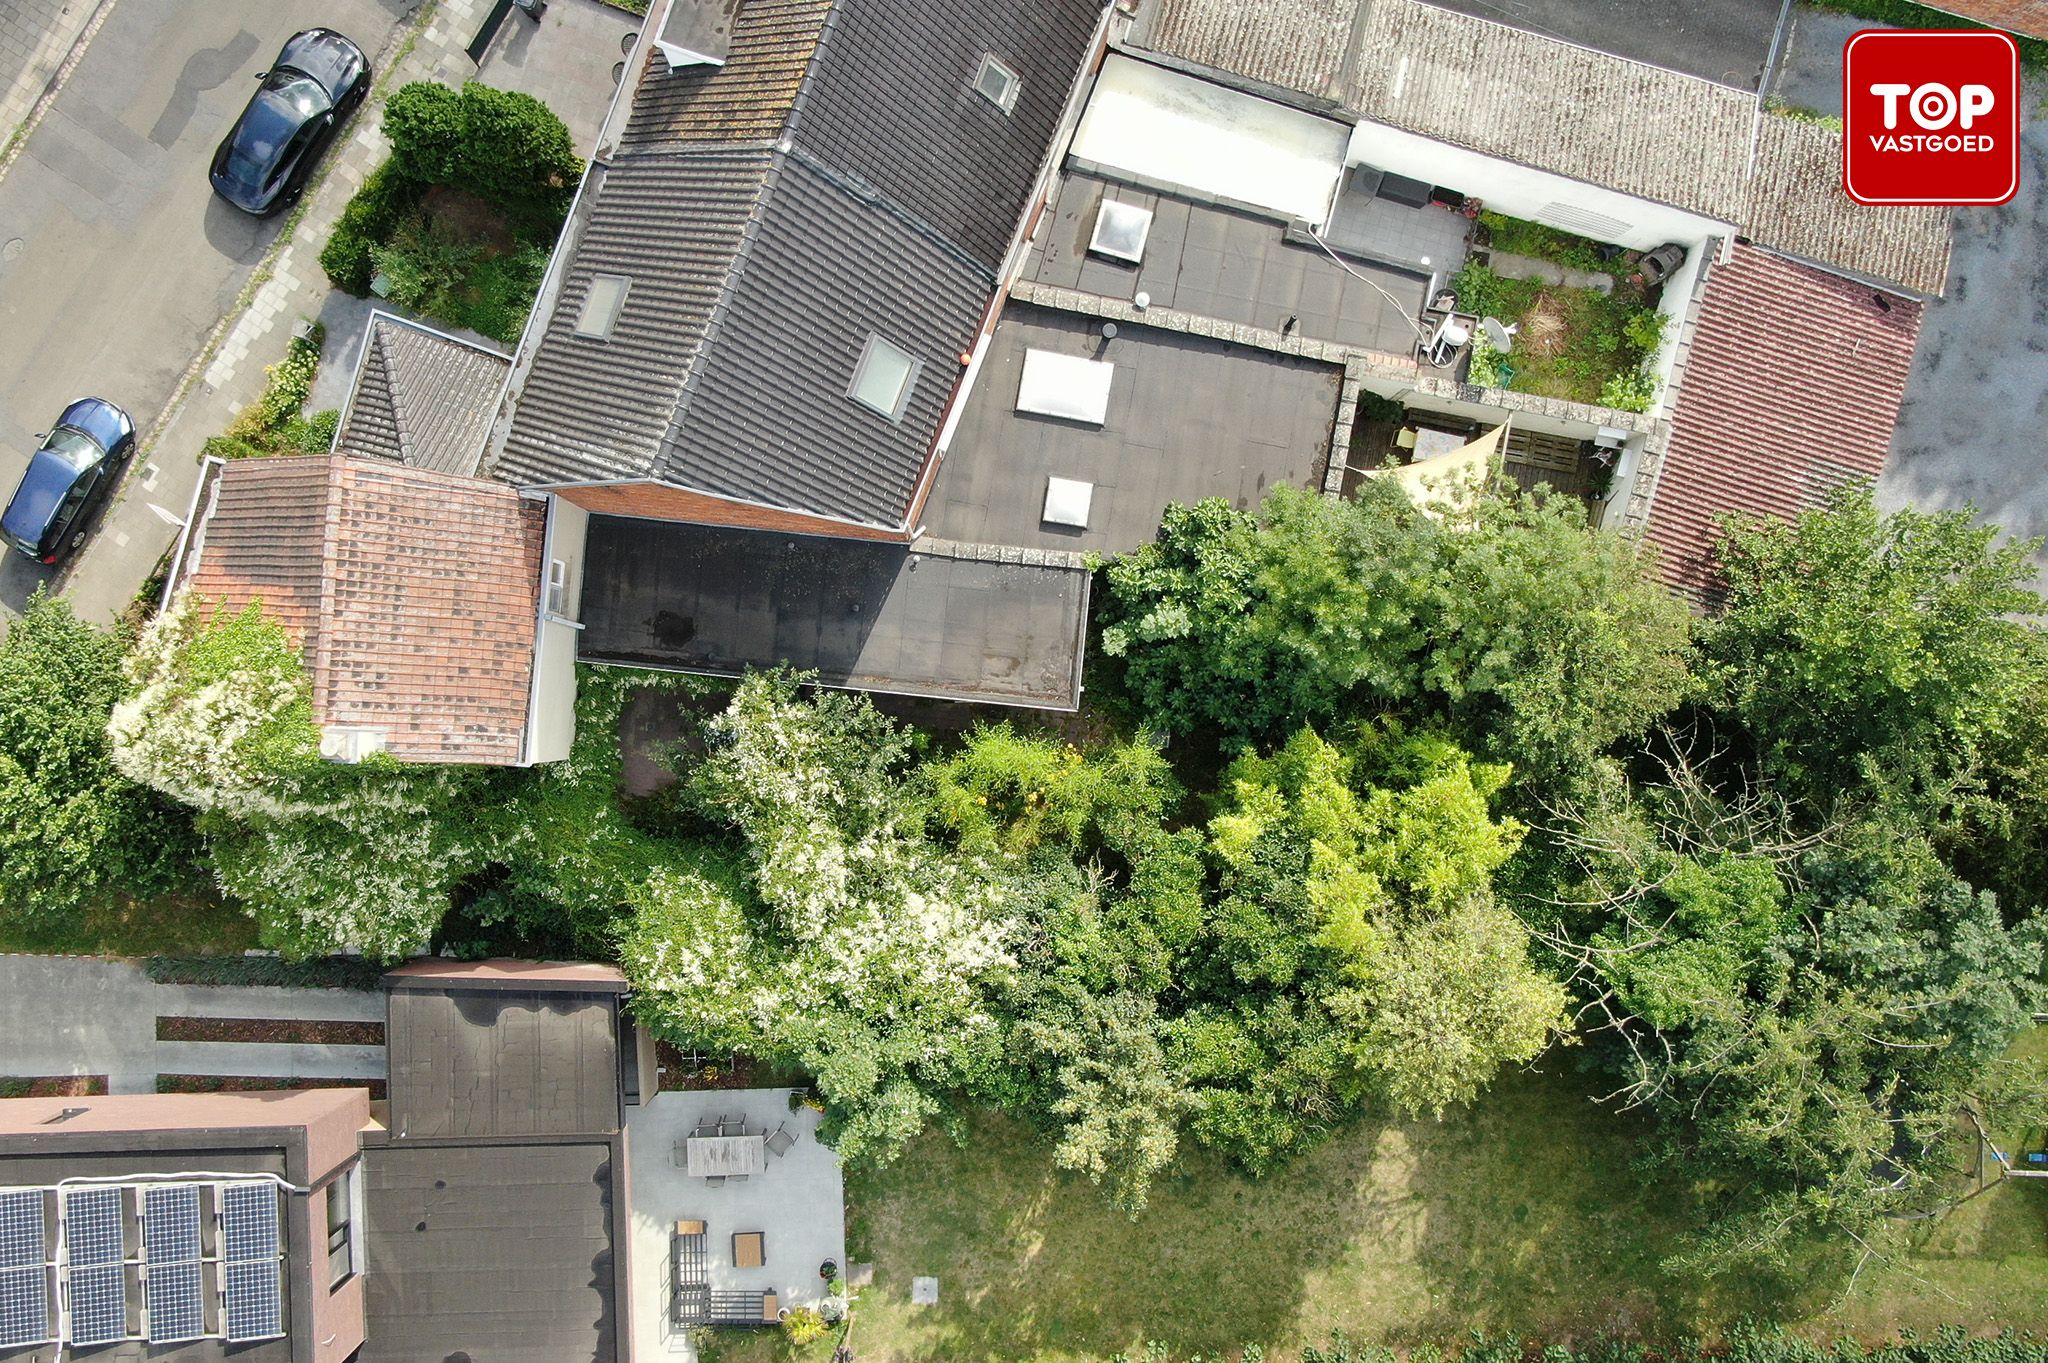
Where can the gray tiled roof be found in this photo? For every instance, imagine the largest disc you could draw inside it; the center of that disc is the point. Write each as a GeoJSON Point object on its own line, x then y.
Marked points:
{"type": "Point", "coordinates": [1592, 115]}
{"type": "Point", "coordinates": [837, 178]}
{"type": "Point", "coordinates": [421, 397]}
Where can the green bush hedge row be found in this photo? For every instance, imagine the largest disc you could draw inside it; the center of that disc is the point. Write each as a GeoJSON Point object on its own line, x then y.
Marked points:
{"type": "Point", "coordinates": [328, 972]}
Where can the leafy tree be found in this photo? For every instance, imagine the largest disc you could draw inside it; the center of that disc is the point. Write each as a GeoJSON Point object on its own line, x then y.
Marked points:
{"type": "Point", "coordinates": [72, 827]}
{"type": "Point", "coordinates": [1802, 1011]}
{"type": "Point", "coordinates": [1365, 914]}
{"type": "Point", "coordinates": [1858, 645]}
{"type": "Point", "coordinates": [1537, 640]}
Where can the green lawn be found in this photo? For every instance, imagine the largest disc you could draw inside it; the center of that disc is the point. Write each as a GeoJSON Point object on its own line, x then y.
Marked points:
{"type": "Point", "coordinates": [192, 924]}
{"type": "Point", "coordinates": [1521, 1216]}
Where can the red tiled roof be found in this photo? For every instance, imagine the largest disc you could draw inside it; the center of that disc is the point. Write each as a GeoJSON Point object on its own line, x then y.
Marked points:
{"type": "Point", "coordinates": [1792, 388]}
{"type": "Point", "coordinates": [2029, 17]}
{"type": "Point", "coordinates": [413, 594]}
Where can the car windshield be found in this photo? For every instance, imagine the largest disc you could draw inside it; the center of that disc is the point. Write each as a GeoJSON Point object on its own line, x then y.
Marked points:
{"type": "Point", "coordinates": [286, 103]}
{"type": "Point", "coordinates": [73, 447]}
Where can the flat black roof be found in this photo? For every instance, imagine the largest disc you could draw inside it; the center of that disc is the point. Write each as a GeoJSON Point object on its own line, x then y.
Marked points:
{"type": "Point", "coordinates": [954, 623]}
{"type": "Point", "coordinates": [491, 1252]}
{"type": "Point", "coordinates": [1239, 265]}
{"type": "Point", "coordinates": [1188, 418]}
{"type": "Point", "coordinates": [501, 1062]}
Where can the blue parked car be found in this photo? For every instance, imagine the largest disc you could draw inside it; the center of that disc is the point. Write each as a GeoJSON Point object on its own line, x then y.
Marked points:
{"type": "Point", "coordinates": [307, 94]}
{"type": "Point", "coordinates": [67, 479]}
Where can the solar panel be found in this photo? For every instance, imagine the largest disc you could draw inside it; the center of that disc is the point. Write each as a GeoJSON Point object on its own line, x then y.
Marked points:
{"type": "Point", "coordinates": [249, 1229]}
{"type": "Point", "coordinates": [22, 1239]}
{"type": "Point", "coordinates": [99, 1304]}
{"type": "Point", "coordinates": [93, 1248]}
{"type": "Point", "coordinates": [173, 1293]}
{"type": "Point", "coordinates": [24, 1306]}
{"type": "Point", "coordinates": [254, 1308]}
{"type": "Point", "coordinates": [92, 1226]}
{"type": "Point", "coordinates": [172, 1289]}
{"type": "Point", "coordinates": [249, 1221]}
{"type": "Point", "coordinates": [170, 1224]}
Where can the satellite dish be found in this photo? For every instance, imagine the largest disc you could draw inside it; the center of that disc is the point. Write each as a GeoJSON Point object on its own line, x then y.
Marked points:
{"type": "Point", "coordinates": [1499, 337]}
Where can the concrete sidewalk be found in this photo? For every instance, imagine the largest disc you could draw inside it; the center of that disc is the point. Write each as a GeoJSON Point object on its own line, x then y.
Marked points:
{"type": "Point", "coordinates": [86, 1015]}
{"type": "Point", "coordinates": [37, 37]}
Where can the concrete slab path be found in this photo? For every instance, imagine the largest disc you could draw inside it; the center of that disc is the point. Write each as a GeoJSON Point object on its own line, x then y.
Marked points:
{"type": "Point", "coordinates": [87, 1015]}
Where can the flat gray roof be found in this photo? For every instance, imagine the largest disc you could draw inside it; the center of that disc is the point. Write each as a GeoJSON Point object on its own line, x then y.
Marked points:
{"type": "Point", "coordinates": [967, 623]}
{"type": "Point", "coordinates": [501, 1062]}
{"type": "Point", "coordinates": [491, 1252]}
{"type": "Point", "coordinates": [1239, 266]}
{"type": "Point", "coordinates": [1188, 418]}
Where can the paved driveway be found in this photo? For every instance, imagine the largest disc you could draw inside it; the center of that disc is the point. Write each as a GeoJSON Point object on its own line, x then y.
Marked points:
{"type": "Point", "coordinates": [116, 261]}
{"type": "Point", "coordinates": [1975, 426]}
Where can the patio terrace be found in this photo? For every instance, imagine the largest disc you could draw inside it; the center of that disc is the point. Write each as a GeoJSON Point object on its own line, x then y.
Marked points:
{"type": "Point", "coordinates": [796, 1204]}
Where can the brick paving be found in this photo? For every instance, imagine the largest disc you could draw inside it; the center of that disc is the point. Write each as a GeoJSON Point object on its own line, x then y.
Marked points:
{"type": "Point", "coordinates": [35, 38]}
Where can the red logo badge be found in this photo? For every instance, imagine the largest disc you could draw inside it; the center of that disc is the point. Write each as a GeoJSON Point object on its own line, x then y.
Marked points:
{"type": "Point", "coordinates": [1930, 118]}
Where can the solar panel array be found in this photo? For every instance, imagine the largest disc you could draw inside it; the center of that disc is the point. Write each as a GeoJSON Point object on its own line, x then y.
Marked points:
{"type": "Point", "coordinates": [173, 1286]}
{"type": "Point", "coordinates": [24, 1269]}
{"type": "Point", "coordinates": [249, 1233]}
{"type": "Point", "coordinates": [92, 1264]}
{"type": "Point", "coordinates": [99, 1276]}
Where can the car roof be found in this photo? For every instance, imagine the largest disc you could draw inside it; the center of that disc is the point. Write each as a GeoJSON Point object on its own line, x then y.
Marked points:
{"type": "Point", "coordinates": [48, 478]}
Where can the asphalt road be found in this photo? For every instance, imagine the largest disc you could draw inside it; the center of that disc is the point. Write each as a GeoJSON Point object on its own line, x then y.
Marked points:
{"type": "Point", "coordinates": [116, 260]}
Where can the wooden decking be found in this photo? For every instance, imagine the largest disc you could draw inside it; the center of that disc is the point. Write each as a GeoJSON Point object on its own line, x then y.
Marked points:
{"type": "Point", "coordinates": [1532, 459]}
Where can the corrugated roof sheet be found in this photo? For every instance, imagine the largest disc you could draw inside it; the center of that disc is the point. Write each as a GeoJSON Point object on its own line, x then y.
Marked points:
{"type": "Point", "coordinates": [412, 593]}
{"type": "Point", "coordinates": [746, 100]}
{"type": "Point", "coordinates": [1586, 114]}
{"type": "Point", "coordinates": [1592, 115]}
{"type": "Point", "coordinates": [1907, 245]}
{"type": "Point", "coordinates": [858, 186]}
{"type": "Point", "coordinates": [1792, 387]}
{"type": "Point", "coordinates": [1299, 45]}
{"type": "Point", "coordinates": [421, 397]}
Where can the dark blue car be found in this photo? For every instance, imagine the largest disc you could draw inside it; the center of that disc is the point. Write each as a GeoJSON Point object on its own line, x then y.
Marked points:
{"type": "Point", "coordinates": [308, 92]}
{"type": "Point", "coordinates": [66, 480]}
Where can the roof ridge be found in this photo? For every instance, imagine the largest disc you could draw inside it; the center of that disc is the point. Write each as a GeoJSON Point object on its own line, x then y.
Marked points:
{"type": "Point", "coordinates": [395, 391]}
{"type": "Point", "coordinates": [320, 658]}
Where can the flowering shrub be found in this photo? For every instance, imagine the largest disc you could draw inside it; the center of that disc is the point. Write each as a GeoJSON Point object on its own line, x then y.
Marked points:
{"type": "Point", "coordinates": [220, 713]}
{"type": "Point", "coordinates": [842, 939]}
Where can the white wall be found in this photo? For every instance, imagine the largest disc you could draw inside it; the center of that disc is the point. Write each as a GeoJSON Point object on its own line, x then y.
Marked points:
{"type": "Point", "coordinates": [1524, 192]}
{"type": "Point", "coordinates": [551, 723]}
{"type": "Point", "coordinates": [1408, 395]}
{"type": "Point", "coordinates": [1178, 130]}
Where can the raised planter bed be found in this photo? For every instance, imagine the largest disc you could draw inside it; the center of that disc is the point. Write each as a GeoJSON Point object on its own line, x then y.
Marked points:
{"type": "Point", "coordinates": [298, 1032]}
{"type": "Point", "coordinates": [53, 1086]}
{"type": "Point", "coordinates": [245, 1083]}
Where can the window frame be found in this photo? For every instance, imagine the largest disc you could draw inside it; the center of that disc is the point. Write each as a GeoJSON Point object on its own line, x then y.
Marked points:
{"type": "Point", "coordinates": [876, 342]}
{"type": "Point", "coordinates": [342, 1265]}
{"type": "Point", "coordinates": [1013, 84]}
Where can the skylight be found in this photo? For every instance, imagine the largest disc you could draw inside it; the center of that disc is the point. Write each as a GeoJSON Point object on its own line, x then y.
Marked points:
{"type": "Point", "coordinates": [1120, 231]}
{"type": "Point", "coordinates": [884, 378]}
{"type": "Point", "coordinates": [602, 304]}
{"type": "Point", "coordinates": [997, 83]}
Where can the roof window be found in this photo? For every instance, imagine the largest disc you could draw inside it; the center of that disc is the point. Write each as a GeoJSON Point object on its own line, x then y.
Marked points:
{"type": "Point", "coordinates": [997, 83]}
{"type": "Point", "coordinates": [884, 377]}
{"type": "Point", "coordinates": [602, 304]}
{"type": "Point", "coordinates": [1120, 231]}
